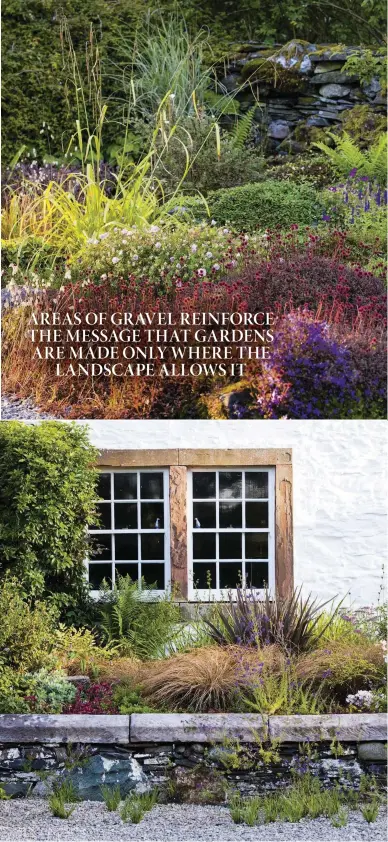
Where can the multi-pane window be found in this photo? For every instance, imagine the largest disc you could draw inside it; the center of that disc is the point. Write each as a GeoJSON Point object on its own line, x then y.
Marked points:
{"type": "Point", "coordinates": [132, 537]}
{"type": "Point", "coordinates": [231, 529]}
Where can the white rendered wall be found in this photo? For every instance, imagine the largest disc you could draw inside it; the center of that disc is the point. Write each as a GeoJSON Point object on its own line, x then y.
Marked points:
{"type": "Point", "coordinates": [340, 489]}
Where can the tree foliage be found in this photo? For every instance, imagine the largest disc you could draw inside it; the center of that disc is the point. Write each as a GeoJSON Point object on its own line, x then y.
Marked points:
{"type": "Point", "coordinates": [47, 491]}
{"type": "Point", "coordinates": [36, 91]}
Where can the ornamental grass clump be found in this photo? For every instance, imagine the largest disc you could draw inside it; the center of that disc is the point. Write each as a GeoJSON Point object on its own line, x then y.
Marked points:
{"type": "Point", "coordinates": [290, 622]}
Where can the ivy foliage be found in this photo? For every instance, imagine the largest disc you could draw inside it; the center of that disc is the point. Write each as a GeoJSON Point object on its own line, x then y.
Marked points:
{"type": "Point", "coordinates": [47, 492]}
{"type": "Point", "coordinates": [38, 111]}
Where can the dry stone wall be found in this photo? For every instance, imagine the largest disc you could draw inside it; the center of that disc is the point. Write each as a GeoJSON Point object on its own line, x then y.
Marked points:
{"type": "Point", "coordinates": [296, 87]}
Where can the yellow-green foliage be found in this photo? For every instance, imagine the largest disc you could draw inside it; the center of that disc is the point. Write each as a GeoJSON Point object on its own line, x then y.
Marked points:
{"type": "Point", "coordinates": [76, 650]}
{"type": "Point", "coordinates": [347, 156]}
{"type": "Point", "coordinates": [26, 630]}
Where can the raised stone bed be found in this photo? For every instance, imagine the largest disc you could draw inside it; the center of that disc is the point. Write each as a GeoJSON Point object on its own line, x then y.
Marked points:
{"type": "Point", "coordinates": [221, 750]}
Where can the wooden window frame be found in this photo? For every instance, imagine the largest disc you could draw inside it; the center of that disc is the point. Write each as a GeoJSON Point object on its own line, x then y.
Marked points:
{"type": "Point", "coordinates": [222, 594]}
{"type": "Point", "coordinates": [178, 461]}
{"type": "Point", "coordinates": [139, 531]}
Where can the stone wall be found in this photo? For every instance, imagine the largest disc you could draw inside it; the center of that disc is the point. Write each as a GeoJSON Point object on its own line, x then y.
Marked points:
{"type": "Point", "coordinates": [188, 757]}
{"type": "Point", "coordinates": [296, 87]}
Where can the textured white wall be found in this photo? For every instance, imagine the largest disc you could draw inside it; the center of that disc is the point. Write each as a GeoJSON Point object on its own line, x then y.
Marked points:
{"type": "Point", "coordinates": [340, 489]}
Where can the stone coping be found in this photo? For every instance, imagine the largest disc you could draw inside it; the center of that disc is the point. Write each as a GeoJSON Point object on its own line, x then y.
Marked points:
{"type": "Point", "coordinates": [189, 728]}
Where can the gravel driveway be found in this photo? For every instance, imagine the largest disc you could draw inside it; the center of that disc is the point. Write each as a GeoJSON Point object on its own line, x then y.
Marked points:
{"type": "Point", "coordinates": [30, 819]}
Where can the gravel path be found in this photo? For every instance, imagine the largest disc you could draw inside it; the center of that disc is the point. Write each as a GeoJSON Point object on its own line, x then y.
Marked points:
{"type": "Point", "coordinates": [13, 409]}
{"type": "Point", "coordinates": [30, 819]}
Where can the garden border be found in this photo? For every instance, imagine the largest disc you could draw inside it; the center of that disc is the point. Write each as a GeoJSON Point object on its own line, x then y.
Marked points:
{"type": "Point", "coordinates": [190, 728]}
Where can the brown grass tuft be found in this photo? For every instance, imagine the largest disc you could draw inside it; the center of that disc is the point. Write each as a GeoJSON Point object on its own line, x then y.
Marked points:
{"type": "Point", "coordinates": [203, 679]}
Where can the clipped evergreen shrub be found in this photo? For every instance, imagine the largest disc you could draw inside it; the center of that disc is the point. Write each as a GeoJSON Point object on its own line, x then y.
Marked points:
{"type": "Point", "coordinates": [47, 492]}
{"type": "Point", "coordinates": [266, 204]}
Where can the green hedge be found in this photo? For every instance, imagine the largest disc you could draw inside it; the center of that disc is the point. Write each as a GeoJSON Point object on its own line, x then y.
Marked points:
{"type": "Point", "coordinates": [34, 80]}
{"type": "Point", "coordinates": [266, 204]}
{"type": "Point", "coordinates": [48, 484]}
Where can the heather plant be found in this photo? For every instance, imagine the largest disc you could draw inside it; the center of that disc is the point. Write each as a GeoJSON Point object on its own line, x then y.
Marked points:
{"type": "Point", "coordinates": [344, 666]}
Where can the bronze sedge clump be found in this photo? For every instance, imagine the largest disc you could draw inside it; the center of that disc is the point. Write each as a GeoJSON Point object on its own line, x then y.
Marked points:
{"type": "Point", "coordinates": [208, 678]}
{"type": "Point", "coordinates": [291, 622]}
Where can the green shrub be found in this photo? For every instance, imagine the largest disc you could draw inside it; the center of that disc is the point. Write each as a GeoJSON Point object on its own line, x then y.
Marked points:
{"type": "Point", "coordinates": [267, 204]}
{"type": "Point", "coordinates": [48, 485]}
{"type": "Point", "coordinates": [26, 630]}
{"type": "Point", "coordinates": [209, 170]}
{"type": "Point", "coordinates": [52, 691]}
{"type": "Point", "coordinates": [304, 169]}
{"type": "Point", "coordinates": [13, 688]}
{"type": "Point", "coordinates": [128, 700]}
{"type": "Point", "coordinates": [136, 625]}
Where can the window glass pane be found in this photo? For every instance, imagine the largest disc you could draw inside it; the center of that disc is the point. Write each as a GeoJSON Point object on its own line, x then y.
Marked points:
{"type": "Point", "coordinates": [204, 485]}
{"type": "Point", "coordinates": [204, 515]}
{"type": "Point", "coordinates": [99, 572]}
{"type": "Point", "coordinates": [204, 576]}
{"type": "Point", "coordinates": [103, 486]}
{"type": "Point", "coordinates": [256, 484]}
{"type": "Point", "coordinates": [230, 515]}
{"type": "Point", "coordinates": [256, 574]}
{"type": "Point", "coordinates": [152, 547]}
{"type": "Point", "coordinates": [256, 515]}
{"type": "Point", "coordinates": [152, 515]}
{"type": "Point", "coordinates": [130, 570]}
{"type": "Point", "coordinates": [230, 485]}
{"type": "Point", "coordinates": [230, 545]}
{"type": "Point", "coordinates": [204, 545]}
{"type": "Point", "coordinates": [256, 545]}
{"type": "Point", "coordinates": [126, 547]}
{"type": "Point", "coordinates": [153, 574]}
{"type": "Point", "coordinates": [125, 486]}
{"type": "Point", "coordinates": [151, 486]}
{"type": "Point", "coordinates": [230, 574]}
{"type": "Point", "coordinates": [100, 547]}
{"type": "Point", "coordinates": [125, 515]}
{"type": "Point", "coordinates": [104, 512]}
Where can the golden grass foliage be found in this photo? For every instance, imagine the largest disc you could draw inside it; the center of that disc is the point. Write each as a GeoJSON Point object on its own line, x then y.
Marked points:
{"type": "Point", "coordinates": [203, 679]}
{"type": "Point", "coordinates": [343, 665]}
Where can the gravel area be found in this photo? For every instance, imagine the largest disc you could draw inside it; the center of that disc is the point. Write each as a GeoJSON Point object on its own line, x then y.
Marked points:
{"type": "Point", "coordinates": [13, 409]}
{"type": "Point", "coordinates": [30, 819]}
